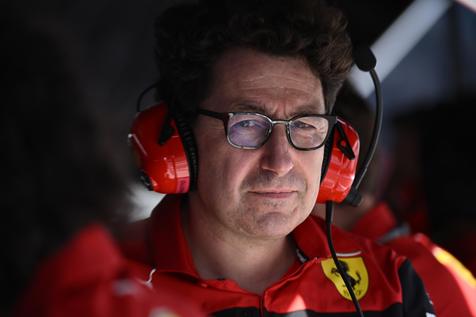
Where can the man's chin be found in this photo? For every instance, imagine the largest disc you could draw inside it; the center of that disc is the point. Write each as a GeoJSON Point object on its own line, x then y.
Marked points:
{"type": "Point", "coordinates": [276, 224]}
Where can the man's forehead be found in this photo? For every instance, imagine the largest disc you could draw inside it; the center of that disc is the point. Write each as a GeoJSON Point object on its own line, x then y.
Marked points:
{"type": "Point", "coordinates": [250, 66]}
{"type": "Point", "coordinates": [254, 81]}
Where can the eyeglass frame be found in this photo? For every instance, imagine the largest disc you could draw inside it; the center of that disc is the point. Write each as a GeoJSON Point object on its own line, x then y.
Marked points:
{"type": "Point", "coordinates": [226, 116]}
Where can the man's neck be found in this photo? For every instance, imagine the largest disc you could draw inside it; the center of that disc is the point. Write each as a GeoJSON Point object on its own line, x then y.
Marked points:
{"type": "Point", "coordinates": [254, 264]}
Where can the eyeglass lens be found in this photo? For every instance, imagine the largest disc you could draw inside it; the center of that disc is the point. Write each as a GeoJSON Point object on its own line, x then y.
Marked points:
{"type": "Point", "coordinates": [251, 130]}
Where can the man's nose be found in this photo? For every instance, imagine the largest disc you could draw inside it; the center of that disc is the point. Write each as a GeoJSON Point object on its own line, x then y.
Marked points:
{"type": "Point", "coordinates": [276, 152]}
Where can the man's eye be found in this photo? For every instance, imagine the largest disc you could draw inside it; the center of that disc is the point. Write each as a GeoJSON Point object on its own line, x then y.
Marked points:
{"type": "Point", "coordinates": [303, 125]}
{"type": "Point", "coordinates": [249, 124]}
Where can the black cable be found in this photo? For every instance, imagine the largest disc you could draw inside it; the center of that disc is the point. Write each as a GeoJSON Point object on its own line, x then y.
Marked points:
{"type": "Point", "coordinates": [342, 272]}
{"type": "Point", "coordinates": [365, 61]}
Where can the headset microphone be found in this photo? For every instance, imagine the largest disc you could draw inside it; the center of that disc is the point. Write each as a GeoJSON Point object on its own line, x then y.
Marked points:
{"type": "Point", "coordinates": [365, 60]}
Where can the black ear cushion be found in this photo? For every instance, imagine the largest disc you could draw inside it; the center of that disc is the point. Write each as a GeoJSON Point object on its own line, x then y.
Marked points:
{"type": "Point", "coordinates": [327, 154]}
{"type": "Point", "coordinates": [190, 146]}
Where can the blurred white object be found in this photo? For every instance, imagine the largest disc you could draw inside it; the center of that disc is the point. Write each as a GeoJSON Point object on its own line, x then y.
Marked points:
{"type": "Point", "coordinates": [144, 201]}
{"type": "Point", "coordinates": [470, 4]}
{"type": "Point", "coordinates": [398, 40]}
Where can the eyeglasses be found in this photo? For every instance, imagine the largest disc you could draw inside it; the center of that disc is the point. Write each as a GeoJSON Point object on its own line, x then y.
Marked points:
{"type": "Point", "coordinates": [250, 130]}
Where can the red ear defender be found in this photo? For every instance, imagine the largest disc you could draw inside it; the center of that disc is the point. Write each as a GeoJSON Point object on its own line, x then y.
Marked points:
{"type": "Point", "coordinates": [156, 141]}
{"type": "Point", "coordinates": [341, 164]}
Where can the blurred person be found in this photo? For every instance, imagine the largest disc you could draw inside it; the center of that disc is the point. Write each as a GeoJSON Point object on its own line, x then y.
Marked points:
{"type": "Point", "coordinates": [249, 86]}
{"type": "Point", "coordinates": [414, 193]}
{"type": "Point", "coordinates": [450, 285]}
{"type": "Point", "coordinates": [65, 191]}
{"type": "Point", "coordinates": [447, 136]}
{"type": "Point", "coordinates": [404, 192]}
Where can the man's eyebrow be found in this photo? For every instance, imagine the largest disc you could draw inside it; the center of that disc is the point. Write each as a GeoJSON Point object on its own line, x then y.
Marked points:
{"type": "Point", "coordinates": [309, 109]}
{"type": "Point", "coordinates": [305, 109]}
{"type": "Point", "coordinates": [248, 107]}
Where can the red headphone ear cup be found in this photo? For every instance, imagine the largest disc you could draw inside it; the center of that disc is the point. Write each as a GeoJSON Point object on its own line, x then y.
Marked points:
{"type": "Point", "coordinates": [163, 161]}
{"type": "Point", "coordinates": [339, 163]}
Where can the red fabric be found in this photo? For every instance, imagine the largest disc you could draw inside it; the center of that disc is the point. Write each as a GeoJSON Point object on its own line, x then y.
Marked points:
{"type": "Point", "coordinates": [89, 277]}
{"type": "Point", "coordinates": [451, 289]}
{"type": "Point", "coordinates": [375, 223]}
{"type": "Point", "coordinates": [306, 287]}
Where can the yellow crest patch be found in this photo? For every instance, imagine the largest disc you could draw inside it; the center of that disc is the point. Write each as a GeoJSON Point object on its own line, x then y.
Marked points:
{"type": "Point", "coordinates": [355, 269]}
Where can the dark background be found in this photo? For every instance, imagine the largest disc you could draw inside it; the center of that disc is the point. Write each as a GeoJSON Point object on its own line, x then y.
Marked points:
{"type": "Point", "coordinates": [115, 43]}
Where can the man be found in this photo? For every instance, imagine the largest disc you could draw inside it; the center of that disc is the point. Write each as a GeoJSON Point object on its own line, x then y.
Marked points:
{"type": "Point", "coordinates": [450, 285]}
{"type": "Point", "coordinates": [256, 82]}
{"type": "Point", "coordinates": [64, 192]}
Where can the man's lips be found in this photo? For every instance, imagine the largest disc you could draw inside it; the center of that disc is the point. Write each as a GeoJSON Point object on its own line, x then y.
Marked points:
{"type": "Point", "coordinates": [274, 193]}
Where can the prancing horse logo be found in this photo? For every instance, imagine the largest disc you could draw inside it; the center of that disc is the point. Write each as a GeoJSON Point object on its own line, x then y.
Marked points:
{"type": "Point", "coordinates": [356, 271]}
{"type": "Point", "coordinates": [352, 280]}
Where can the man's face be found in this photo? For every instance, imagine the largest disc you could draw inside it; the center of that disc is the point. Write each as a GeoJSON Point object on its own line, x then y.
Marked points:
{"type": "Point", "coordinates": [263, 193]}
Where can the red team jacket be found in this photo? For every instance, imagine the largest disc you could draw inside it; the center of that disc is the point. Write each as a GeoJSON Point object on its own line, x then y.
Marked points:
{"type": "Point", "coordinates": [89, 278]}
{"type": "Point", "coordinates": [450, 285]}
{"type": "Point", "coordinates": [384, 282]}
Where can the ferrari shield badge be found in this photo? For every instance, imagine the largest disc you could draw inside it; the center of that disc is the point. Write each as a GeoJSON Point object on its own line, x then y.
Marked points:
{"type": "Point", "coordinates": [356, 271]}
